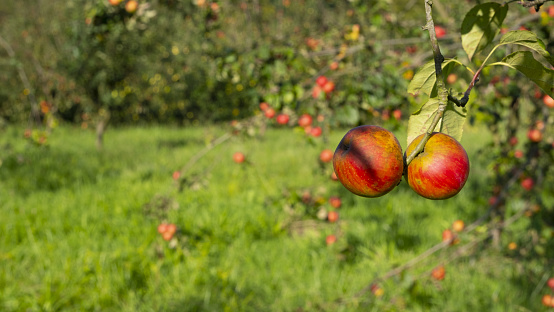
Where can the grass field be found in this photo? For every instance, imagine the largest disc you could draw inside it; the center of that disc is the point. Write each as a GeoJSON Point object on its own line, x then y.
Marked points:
{"type": "Point", "coordinates": [78, 230]}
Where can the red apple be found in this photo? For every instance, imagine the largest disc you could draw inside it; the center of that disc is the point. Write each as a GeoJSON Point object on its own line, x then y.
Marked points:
{"type": "Point", "coordinates": [548, 300]}
{"type": "Point", "coordinates": [438, 273]}
{"type": "Point", "coordinates": [162, 228]}
{"type": "Point", "coordinates": [335, 202]}
{"type": "Point", "coordinates": [264, 106]}
{"type": "Point", "coordinates": [238, 157]}
{"type": "Point", "coordinates": [513, 141]}
{"type": "Point", "coordinates": [329, 87]}
{"type": "Point", "coordinates": [548, 101]}
{"type": "Point", "coordinates": [534, 135]}
{"type": "Point", "coordinates": [282, 119]}
{"type": "Point", "coordinates": [368, 161]}
{"type": "Point", "coordinates": [518, 154]}
{"type": "Point", "coordinates": [167, 236]}
{"type": "Point", "coordinates": [458, 225]}
{"type": "Point", "coordinates": [551, 11]}
{"type": "Point", "coordinates": [269, 113]}
{"type": "Point", "coordinates": [333, 216]}
{"type": "Point", "coordinates": [176, 175]}
{"type": "Point", "coordinates": [448, 236]}
{"type": "Point", "coordinates": [305, 120]}
{"type": "Point", "coordinates": [440, 31]}
{"type": "Point", "coordinates": [171, 228]}
{"type": "Point", "coordinates": [131, 6]}
{"type": "Point", "coordinates": [316, 92]}
{"type": "Point", "coordinates": [441, 170]}
{"type": "Point", "coordinates": [321, 81]}
{"type": "Point", "coordinates": [550, 282]}
{"type": "Point", "coordinates": [527, 184]}
{"type": "Point", "coordinates": [316, 132]}
{"type": "Point", "coordinates": [450, 79]}
{"type": "Point", "coordinates": [334, 66]}
{"type": "Point", "coordinates": [326, 155]}
{"type": "Point", "coordinates": [114, 2]}
{"type": "Point", "coordinates": [330, 239]}
{"type": "Point", "coordinates": [385, 115]}
{"type": "Point", "coordinates": [397, 114]}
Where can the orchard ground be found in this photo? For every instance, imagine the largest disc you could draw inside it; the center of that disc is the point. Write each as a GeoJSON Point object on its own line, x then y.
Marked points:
{"type": "Point", "coordinates": [79, 230]}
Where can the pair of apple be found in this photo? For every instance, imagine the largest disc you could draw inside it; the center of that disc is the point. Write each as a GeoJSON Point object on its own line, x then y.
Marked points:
{"type": "Point", "coordinates": [368, 161]}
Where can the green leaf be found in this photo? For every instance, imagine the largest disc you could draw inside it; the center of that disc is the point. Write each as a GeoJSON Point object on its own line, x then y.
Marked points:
{"type": "Point", "coordinates": [527, 39]}
{"type": "Point", "coordinates": [452, 122]}
{"type": "Point", "coordinates": [424, 80]}
{"type": "Point", "coordinates": [480, 25]}
{"type": "Point", "coordinates": [348, 115]}
{"type": "Point", "coordinates": [526, 64]}
{"type": "Point", "coordinates": [421, 120]}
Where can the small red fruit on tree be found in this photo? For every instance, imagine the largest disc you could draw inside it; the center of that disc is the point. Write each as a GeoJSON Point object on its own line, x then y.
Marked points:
{"type": "Point", "coordinates": [534, 135]}
{"type": "Point", "coordinates": [518, 154]}
{"type": "Point", "coordinates": [282, 119]}
{"type": "Point", "coordinates": [527, 184]}
{"type": "Point", "coordinates": [441, 170]}
{"type": "Point", "coordinates": [368, 161]}
{"type": "Point", "coordinates": [316, 132]}
{"type": "Point", "coordinates": [330, 239]}
{"type": "Point", "coordinates": [326, 155]}
{"type": "Point", "coordinates": [335, 202]}
{"type": "Point", "coordinates": [493, 200]}
{"type": "Point", "coordinates": [238, 157]}
{"type": "Point", "coordinates": [551, 11]}
{"type": "Point", "coordinates": [269, 113]}
{"type": "Point", "coordinates": [176, 175]}
{"type": "Point", "coordinates": [458, 225]}
{"type": "Point", "coordinates": [114, 2]}
{"type": "Point", "coordinates": [450, 79]}
{"type": "Point", "coordinates": [321, 81]}
{"type": "Point", "coordinates": [440, 31]}
{"type": "Point", "coordinates": [548, 101]}
{"type": "Point", "coordinates": [438, 273]}
{"type": "Point", "coordinates": [397, 114]}
{"type": "Point", "coordinates": [131, 6]}
{"type": "Point", "coordinates": [316, 92]}
{"type": "Point", "coordinates": [333, 216]}
{"type": "Point", "coordinates": [264, 106]}
{"type": "Point", "coordinates": [334, 66]}
{"type": "Point", "coordinates": [513, 141]}
{"type": "Point", "coordinates": [329, 87]}
{"type": "Point", "coordinates": [305, 120]}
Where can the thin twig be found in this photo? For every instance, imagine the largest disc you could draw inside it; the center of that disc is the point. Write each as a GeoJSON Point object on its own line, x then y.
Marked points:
{"type": "Point", "coordinates": [442, 92]}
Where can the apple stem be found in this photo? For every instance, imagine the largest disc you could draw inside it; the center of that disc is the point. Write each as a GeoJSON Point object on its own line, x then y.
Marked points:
{"type": "Point", "coordinates": [442, 91]}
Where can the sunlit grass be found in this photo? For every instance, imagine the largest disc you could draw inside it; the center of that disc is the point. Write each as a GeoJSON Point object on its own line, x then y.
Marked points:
{"type": "Point", "coordinates": [76, 234]}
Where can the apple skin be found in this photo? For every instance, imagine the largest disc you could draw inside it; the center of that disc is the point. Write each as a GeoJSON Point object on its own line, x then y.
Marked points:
{"type": "Point", "coordinates": [282, 119]}
{"type": "Point", "coordinates": [441, 170]}
{"type": "Point", "coordinates": [368, 161]}
{"type": "Point", "coordinates": [548, 101]}
{"type": "Point", "coordinates": [305, 120]}
{"type": "Point", "coordinates": [131, 6]}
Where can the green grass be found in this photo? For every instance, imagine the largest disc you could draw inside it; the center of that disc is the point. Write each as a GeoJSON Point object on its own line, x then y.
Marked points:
{"type": "Point", "coordinates": [78, 230]}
